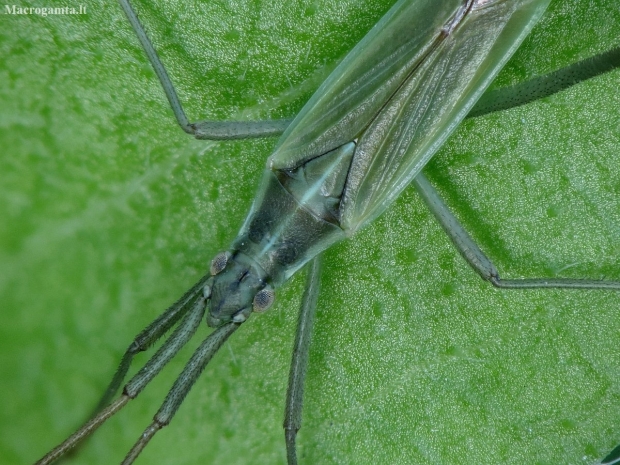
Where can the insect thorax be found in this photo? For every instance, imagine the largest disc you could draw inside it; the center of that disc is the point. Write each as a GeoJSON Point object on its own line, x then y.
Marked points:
{"type": "Point", "coordinates": [296, 214]}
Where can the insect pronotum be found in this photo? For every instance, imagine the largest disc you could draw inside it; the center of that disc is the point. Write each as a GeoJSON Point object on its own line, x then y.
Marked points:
{"type": "Point", "coordinates": [378, 313]}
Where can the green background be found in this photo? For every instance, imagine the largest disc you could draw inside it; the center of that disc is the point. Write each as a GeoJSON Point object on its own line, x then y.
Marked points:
{"type": "Point", "coordinates": [109, 212]}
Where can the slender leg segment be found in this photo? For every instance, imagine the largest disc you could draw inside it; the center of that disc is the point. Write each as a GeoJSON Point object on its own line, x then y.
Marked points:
{"type": "Point", "coordinates": [544, 86]}
{"type": "Point", "coordinates": [182, 386]}
{"type": "Point", "coordinates": [479, 261]}
{"type": "Point", "coordinates": [211, 130]}
{"type": "Point", "coordinates": [299, 363]}
{"type": "Point", "coordinates": [169, 349]}
{"type": "Point", "coordinates": [613, 458]}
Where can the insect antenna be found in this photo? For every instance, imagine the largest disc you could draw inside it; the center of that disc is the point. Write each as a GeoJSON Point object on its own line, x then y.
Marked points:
{"type": "Point", "coordinates": [148, 336]}
{"type": "Point", "coordinates": [192, 308]}
{"type": "Point", "coordinates": [201, 357]}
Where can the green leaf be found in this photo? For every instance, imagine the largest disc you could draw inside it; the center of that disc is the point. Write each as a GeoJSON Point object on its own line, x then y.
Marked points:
{"type": "Point", "coordinates": [109, 212]}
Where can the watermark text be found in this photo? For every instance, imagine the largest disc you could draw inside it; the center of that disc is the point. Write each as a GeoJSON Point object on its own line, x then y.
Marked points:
{"type": "Point", "coordinates": [44, 10]}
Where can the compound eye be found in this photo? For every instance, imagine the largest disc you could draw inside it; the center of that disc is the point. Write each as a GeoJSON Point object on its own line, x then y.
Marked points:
{"type": "Point", "coordinates": [263, 300]}
{"type": "Point", "coordinates": [219, 262]}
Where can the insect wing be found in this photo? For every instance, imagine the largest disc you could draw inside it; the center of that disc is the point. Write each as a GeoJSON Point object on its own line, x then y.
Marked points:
{"type": "Point", "coordinates": [401, 91]}
{"type": "Point", "coordinates": [432, 102]}
{"type": "Point", "coordinates": [361, 84]}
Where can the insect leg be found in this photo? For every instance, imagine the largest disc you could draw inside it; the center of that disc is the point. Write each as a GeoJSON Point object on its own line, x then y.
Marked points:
{"type": "Point", "coordinates": [212, 130]}
{"type": "Point", "coordinates": [299, 363]}
{"type": "Point", "coordinates": [181, 386]}
{"type": "Point", "coordinates": [613, 458]}
{"type": "Point", "coordinates": [148, 336]}
{"type": "Point", "coordinates": [173, 344]}
{"type": "Point", "coordinates": [549, 84]}
{"type": "Point", "coordinates": [479, 261]}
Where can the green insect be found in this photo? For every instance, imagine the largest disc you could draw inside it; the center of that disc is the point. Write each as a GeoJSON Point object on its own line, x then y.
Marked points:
{"type": "Point", "coordinates": [331, 174]}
